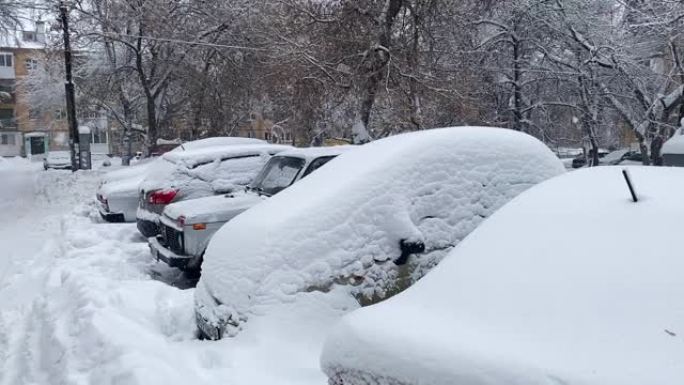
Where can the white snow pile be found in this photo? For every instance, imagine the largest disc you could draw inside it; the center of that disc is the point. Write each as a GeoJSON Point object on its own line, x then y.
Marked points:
{"type": "Point", "coordinates": [13, 163]}
{"type": "Point", "coordinates": [570, 283]}
{"type": "Point", "coordinates": [343, 224]}
{"type": "Point", "coordinates": [79, 305]}
{"type": "Point", "coordinates": [216, 142]}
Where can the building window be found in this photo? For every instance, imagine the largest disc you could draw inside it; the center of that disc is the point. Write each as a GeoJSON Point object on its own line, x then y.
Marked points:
{"type": "Point", "coordinates": [29, 36]}
{"type": "Point", "coordinates": [60, 114]}
{"type": "Point", "coordinates": [31, 64]}
{"type": "Point", "coordinates": [5, 60]}
{"type": "Point", "coordinates": [8, 139]}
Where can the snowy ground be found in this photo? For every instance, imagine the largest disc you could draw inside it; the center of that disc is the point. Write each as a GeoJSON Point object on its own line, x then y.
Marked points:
{"type": "Point", "coordinates": [82, 302]}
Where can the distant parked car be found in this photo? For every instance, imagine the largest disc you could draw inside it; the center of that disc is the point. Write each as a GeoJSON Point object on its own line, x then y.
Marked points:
{"type": "Point", "coordinates": [187, 226]}
{"type": "Point", "coordinates": [516, 303]}
{"type": "Point", "coordinates": [118, 191]}
{"type": "Point", "coordinates": [581, 160]}
{"type": "Point", "coordinates": [369, 223]}
{"type": "Point", "coordinates": [192, 174]}
{"type": "Point", "coordinates": [673, 150]}
{"type": "Point", "coordinates": [621, 157]}
{"type": "Point", "coordinates": [60, 160]}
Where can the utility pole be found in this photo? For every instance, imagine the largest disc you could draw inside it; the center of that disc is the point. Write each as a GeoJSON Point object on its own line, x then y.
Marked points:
{"type": "Point", "coordinates": [69, 88]}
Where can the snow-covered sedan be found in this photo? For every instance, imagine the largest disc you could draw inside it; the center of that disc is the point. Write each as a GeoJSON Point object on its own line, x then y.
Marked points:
{"type": "Point", "coordinates": [187, 226]}
{"type": "Point", "coordinates": [368, 224]}
{"type": "Point", "coordinates": [193, 174]}
{"type": "Point", "coordinates": [59, 160]}
{"type": "Point", "coordinates": [557, 287]}
{"type": "Point", "coordinates": [117, 194]}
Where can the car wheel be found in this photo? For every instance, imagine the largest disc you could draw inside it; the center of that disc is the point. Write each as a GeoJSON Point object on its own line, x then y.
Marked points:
{"type": "Point", "coordinates": [193, 270]}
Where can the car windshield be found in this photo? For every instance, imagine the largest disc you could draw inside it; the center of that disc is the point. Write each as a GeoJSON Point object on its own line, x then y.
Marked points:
{"type": "Point", "coordinates": [59, 155]}
{"type": "Point", "coordinates": [278, 173]}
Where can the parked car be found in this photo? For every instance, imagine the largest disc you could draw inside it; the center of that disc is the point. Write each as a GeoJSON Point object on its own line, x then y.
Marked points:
{"type": "Point", "coordinates": [673, 150]}
{"type": "Point", "coordinates": [193, 174]}
{"type": "Point", "coordinates": [371, 222]}
{"type": "Point", "coordinates": [117, 193]}
{"type": "Point", "coordinates": [581, 160]}
{"type": "Point", "coordinates": [60, 160]}
{"type": "Point", "coordinates": [621, 157]}
{"type": "Point", "coordinates": [187, 226]}
{"type": "Point", "coordinates": [516, 303]}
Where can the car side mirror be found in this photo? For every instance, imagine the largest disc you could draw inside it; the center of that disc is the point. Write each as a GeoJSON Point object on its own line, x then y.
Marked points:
{"type": "Point", "coordinates": [407, 248]}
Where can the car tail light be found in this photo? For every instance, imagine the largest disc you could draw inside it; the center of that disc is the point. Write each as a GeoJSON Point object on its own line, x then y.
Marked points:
{"type": "Point", "coordinates": [162, 197]}
{"type": "Point", "coordinates": [199, 226]}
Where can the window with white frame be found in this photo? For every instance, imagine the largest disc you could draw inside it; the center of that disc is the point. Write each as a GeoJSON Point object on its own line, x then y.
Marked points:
{"type": "Point", "coordinates": [29, 36]}
{"type": "Point", "coordinates": [6, 60]}
{"type": "Point", "coordinates": [8, 139]}
{"type": "Point", "coordinates": [31, 64]}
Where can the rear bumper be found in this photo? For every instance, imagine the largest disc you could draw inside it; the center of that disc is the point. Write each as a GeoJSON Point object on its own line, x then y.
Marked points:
{"type": "Point", "coordinates": [160, 252]}
{"type": "Point", "coordinates": [108, 215]}
{"type": "Point", "coordinates": [112, 217]}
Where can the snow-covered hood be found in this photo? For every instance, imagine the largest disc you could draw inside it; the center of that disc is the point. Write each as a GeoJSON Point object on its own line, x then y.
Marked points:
{"type": "Point", "coordinates": [123, 187]}
{"type": "Point", "coordinates": [219, 208]}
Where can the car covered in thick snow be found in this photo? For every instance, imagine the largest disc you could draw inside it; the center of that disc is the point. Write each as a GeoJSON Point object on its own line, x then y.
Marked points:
{"type": "Point", "coordinates": [192, 174]}
{"type": "Point", "coordinates": [673, 150]}
{"type": "Point", "coordinates": [372, 221]}
{"type": "Point", "coordinates": [187, 226]}
{"type": "Point", "coordinates": [117, 194]}
{"type": "Point", "coordinates": [557, 287]}
{"type": "Point", "coordinates": [59, 160]}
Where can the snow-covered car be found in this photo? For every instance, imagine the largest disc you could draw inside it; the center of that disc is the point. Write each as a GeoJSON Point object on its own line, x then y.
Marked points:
{"type": "Point", "coordinates": [186, 227]}
{"type": "Point", "coordinates": [192, 174]}
{"type": "Point", "coordinates": [673, 150]}
{"type": "Point", "coordinates": [117, 194]}
{"type": "Point", "coordinates": [60, 160]}
{"type": "Point", "coordinates": [371, 222]}
{"type": "Point", "coordinates": [538, 294]}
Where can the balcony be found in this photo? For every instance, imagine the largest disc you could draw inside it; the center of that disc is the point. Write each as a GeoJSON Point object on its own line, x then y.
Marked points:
{"type": "Point", "coordinates": [8, 124]}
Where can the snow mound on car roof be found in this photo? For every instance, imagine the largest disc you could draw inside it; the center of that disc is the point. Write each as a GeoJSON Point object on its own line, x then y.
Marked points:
{"type": "Point", "coordinates": [570, 283]}
{"type": "Point", "coordinates": [204, 164]}
{"type": "Point", "coordinates": [193, 158]}
{"type": "Point", "coordinates": [216, 141]}
{"type": "Point", "coordinates": [343, 223]}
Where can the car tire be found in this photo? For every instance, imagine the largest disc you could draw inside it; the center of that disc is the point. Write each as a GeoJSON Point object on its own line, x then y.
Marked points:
{"type": "Point", "coordinates": [193, 270]}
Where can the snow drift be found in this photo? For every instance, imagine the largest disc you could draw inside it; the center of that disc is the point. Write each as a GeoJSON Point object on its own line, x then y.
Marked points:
{"type": "Point", "coordinates": [570, 283]}
{"type": "Point", "coordinates": [343, 224]}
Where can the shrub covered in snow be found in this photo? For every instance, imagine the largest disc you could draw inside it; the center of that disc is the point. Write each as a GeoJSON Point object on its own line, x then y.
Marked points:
{"type": "Point", "coordinates": [570, 283]}
{"type": "Point", "coordinates": [345, 224]}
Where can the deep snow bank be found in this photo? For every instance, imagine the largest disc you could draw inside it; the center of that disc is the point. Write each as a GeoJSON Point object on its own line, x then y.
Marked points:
{"type": "Point", "coordinates": [79, 306]}
{"type": "Point", "coordinates": [570, 283]}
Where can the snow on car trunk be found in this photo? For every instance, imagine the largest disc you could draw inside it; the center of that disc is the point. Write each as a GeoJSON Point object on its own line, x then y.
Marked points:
{"type": "Point", "coordinates": [570, 283]}
{"type": "Point", "coordinates": [343, 225]}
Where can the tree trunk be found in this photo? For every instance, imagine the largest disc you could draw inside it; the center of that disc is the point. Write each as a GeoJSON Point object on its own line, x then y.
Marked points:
{"type": "Point", "coordinates": [379, 57]}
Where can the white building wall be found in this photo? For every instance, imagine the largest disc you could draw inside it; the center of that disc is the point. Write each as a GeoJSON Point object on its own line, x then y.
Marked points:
{"type": "Point", "coordinates": [10, 143]}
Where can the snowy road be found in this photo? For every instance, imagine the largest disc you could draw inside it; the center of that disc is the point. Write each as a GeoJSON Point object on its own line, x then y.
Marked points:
{"type": "Point", "coordinates": [82, 302]}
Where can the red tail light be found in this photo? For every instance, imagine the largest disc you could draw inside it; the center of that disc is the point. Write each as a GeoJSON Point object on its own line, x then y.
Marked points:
{"type": "Point", "coordinates": [162, 197]}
